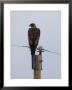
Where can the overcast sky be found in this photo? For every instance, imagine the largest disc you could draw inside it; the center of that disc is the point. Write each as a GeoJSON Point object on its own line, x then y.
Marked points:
{"type": "Point", "coordinates": [49, 23]}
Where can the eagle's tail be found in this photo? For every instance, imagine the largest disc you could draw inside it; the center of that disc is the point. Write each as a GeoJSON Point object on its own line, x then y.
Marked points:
{"type": "Point", "coordinates": [33, 62]}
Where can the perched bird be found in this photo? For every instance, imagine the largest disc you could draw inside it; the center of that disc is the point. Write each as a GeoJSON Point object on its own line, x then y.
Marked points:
{"type": "Point", "coordinates": [33, 38]}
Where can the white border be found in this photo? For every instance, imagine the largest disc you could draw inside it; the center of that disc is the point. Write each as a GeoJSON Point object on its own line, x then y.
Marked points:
{"type": "Point", "coordinates": [64, 8]}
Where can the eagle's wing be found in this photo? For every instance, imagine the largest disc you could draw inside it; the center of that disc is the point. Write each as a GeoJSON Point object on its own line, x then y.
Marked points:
{"type": "Point", "coordinates": [33, 36]}
{"type": "Point", "coordinates": [30, 37]}
{"type": "Point", "coordinates": [38, 36]}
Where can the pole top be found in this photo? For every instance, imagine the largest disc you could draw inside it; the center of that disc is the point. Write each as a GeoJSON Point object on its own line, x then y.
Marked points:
{"type": "Point", "coordinates": [40, 49]}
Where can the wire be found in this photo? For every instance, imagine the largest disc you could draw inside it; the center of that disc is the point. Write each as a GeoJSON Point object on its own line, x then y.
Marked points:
{"type": "Point", "coordinates": [37, 51]}
{"type": "Point", "coordinates": [53, 52]}
{"type": "Point", "coordinates": [20, 46]}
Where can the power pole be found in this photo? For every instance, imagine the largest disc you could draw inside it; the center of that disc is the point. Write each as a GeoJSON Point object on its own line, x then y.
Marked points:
{"type": "Point", "coordinates": [38, 65]}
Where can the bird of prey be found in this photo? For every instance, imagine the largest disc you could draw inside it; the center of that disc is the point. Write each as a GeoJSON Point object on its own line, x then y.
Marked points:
{"type": "Point", "coordinates": [33, 38]}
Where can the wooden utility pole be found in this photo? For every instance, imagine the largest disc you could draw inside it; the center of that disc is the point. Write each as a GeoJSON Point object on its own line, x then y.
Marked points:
{"type": "Point", "coordinates": [37, 74]}
{"type": "Point", "coordinates": [38, 64]}
{"type": "Point", "coordinates": [38, 67]}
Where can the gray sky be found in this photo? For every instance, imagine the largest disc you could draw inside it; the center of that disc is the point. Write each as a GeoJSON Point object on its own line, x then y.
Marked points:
{"type": "Point", "coordinates": [49, 23]}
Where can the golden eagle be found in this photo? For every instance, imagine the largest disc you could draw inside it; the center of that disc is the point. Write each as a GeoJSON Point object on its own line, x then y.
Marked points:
{"type": "Point", "coordinates": [33, 38]}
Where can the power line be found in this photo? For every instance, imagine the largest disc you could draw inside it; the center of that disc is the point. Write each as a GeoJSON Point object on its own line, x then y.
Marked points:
{"type": "Point", "coordinates": [40, 48]}
{"type": "Point", "coordinates": [43, 50]}
{"type": "Point", "coordinates": [20, 46]}
{"type": "Point", "coordinates": [53, 52]}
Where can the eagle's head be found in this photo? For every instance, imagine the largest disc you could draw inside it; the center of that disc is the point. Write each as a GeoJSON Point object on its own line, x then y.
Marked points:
{"type": "Point", "coordinates": [32, 25]}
